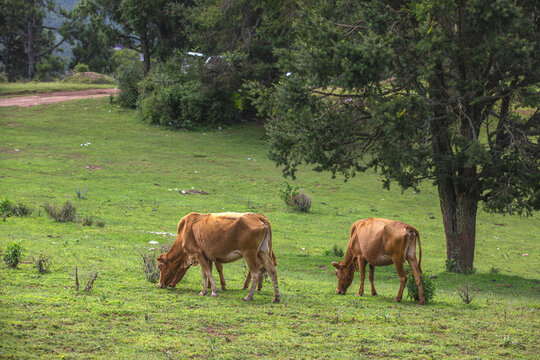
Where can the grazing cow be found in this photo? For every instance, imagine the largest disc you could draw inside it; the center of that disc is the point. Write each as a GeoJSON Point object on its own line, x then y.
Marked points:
{"type": "Point", "coordinates": [380, 242]}
{"type": "Point", "coordinates": [224, 237]}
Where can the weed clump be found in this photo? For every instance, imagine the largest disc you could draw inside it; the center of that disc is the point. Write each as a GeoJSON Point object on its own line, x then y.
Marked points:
{"type": "Point", "coordinates": [7, 209]}
{"type": "Point", "coordinates": [465, 293]}
{"type": "Point", "coordinates": [295, 197]}
{"type": "Point", "coordinates": [68, 212]}
{"type": "Point", "coordinates": [334, 251]}
{"type": "Point", "coordinates": [42, 263]}
{"type": "Point", "coordinates": [87, 221]}
{"type": "Point", "coordinates": [428, 288]}
{"type": "Point", "coordinates": [100, 223]}
{"type": "Point", "coordinates": [150, 268]}
{"type": "Point", "coordinates": [89, 283]}
{"type": "Point", "coordinates": [13, 254]}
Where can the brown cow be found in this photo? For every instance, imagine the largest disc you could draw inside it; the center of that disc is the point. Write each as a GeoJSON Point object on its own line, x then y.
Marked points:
{"type": "Point", "coordinates": [380, 242]}
{"type": "Point", "coordinates": [223, 238]}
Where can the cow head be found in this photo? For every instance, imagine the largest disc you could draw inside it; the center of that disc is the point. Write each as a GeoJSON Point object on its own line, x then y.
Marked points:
{"type": "Point", "coordinates": [171, 271]}
{"type": "Point", "coordinates": [345, 275]}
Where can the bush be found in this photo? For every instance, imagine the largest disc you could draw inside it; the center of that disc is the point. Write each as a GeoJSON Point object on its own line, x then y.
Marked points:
{"type": "Point", "coordinates": [7, 209]}
{"type": "Point", "coordinates": [128, 73]}
{"type": "Point", "coordinates": [79, 68]}
{"type": "Point", "coordinates": [428, 288]}
{"type": "Point", "coordinates": [68, 212]}
{"type": "Point", "coordinates": [184, 95]}
{"type": "Point", "coordinates": [13, 254]}
{"type": "Point", "coordinates": [334, 251]}
{"type": "Point", "coordinates": [87, 221]}
{"type": "Point", "coordinates": [294, 197]}
{"type": "Point", "coordinates": [150, 268]}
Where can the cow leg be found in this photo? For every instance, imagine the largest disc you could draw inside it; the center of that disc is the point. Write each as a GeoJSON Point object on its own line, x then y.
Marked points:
{"type": "Point", "coordinates": [269, 266]}
{"type": "Point", "coordinates": [372, 279]}
{"type": "Point", "coordinates": [253, 266]}
{"type": "Point", "coordinates": [205, 283]}
{"type": "Point", "coordinates": [248, 280]}
{"type": "Point", "coordinates": [417, 273]}
{"type": "Point", "coordinates": [219, 268]}
{"type": "Point", "coordinates": [402, 277]}
{"type": "Point", "coordinates": [362, 267]}
{"type": "Point", "coordinates": [207, 272]}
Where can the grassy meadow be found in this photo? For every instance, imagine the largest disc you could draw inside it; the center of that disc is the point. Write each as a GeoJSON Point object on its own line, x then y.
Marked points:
{"type": "Point", "coordinates": [134, 174]}
{"type": "Point", "coordinates": [33, 88]}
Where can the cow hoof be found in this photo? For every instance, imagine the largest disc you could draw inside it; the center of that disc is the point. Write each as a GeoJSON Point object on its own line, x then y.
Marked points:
{"type": "Point", "coordinates": [203, 293]}
{"type": "Point", "coordinates": [360, 294]}
{"type": "Point", "coordinates": [276, 299]}
{"type": "Point", "coordinates": [214, 293]}
{"type": "Point", "coordinates": [422, 302]}
{"type": "Point", "coordinates": [223, 289]}
{"type": "Point", "coordinates": [374, 294]}
{"type": "Point", "coordinates": [247, 298]}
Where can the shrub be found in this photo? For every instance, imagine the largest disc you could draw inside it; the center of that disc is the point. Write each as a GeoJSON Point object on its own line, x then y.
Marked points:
{"type": "Point", "coordinates": [150, 268]}
{"type": "Point", "coordinates": [128, 73]}
{"type": "Point", "coordinates": [42, 263]}
{"type": "Point", "coordinates": [13, 254]}
{"type": "Point", "coordinates": [6, 208]}
{"type": "Point", "coordinates": [87, 221]}
{"type": "Point", "coordinates": [428, 288]}
{"type": "Point", "coordinates": [68, 212]}
{"type": "Point", "coordinates": [294, 197]}
{"type": "Point", "coordinates": [79, 68]}
{"type": "Point", "coordinates": [334, 251]}
{"type": "Point", "coordinates": [89, 283]}
{"type": "Point", "coordinates": [100, 223]}
{"type": "Point", "coordinates": [22, 210]}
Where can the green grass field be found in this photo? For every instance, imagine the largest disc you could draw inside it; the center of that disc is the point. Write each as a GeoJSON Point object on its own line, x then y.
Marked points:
{"type": "Point", "coordinates": [135, 173]}
{"type": "Point", "coordinates": [32, 88]}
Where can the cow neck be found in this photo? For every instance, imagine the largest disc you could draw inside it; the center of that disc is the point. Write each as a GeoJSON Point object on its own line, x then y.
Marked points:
{"type": "Point", "coordinates": [177, 250]}
{"type": "Point", "coordinates": [349, 257]}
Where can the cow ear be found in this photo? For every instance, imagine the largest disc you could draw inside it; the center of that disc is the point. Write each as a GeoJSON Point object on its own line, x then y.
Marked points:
{"type": "Point", "coordinates": [337, 265]}
{"type": "Point", "coordinates": [161, 259]}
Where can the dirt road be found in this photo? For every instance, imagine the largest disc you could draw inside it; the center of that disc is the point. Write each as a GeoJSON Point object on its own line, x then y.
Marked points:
{"type": "Point", "coordinates": [55, 97]}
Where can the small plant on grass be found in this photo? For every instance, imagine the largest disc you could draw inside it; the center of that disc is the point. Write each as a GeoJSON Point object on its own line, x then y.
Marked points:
{"type": "Point", "coordinates": [13, 254]}
{"type": "Point", "coordinates": [465, 293]}
{"type": "Point", "coordinates": [494, 270]}
{"type": "Point", "coordinates": [451, 265]}
{"type": "Point", "coordinates": [81, 194]}
{"type": "Point", "coordinates": [87, 221]}
{"type": "Point", "coordinates": [100, 223]}
{"type": "Point", "coordinates": [428, 288]}
{"type": "Point", "coordinates": [42, 263]}
{"type": "Point", "coordinates": [294, 197]}
{"type": "Point", "coordinates": [150, 268]}
{"type": "Point", "coordinates": [6, 208]}
{"type": "Point", "coordinates": [22, 210]}
{"type": "Point", "coordinates": [334, 251]}
{"type": "Point", "coordinates": [89, 283]}
{"type": "Point", "coordinates": [68, 212]}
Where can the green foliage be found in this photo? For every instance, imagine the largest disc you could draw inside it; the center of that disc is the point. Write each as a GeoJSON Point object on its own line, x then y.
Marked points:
{"type": "Point", "coordinates": [50, 68]}
{"type": "Point", "coordinates": [68, 212]}
{"type": "Point", "coordinates": [465, 292]}
{"type": "Point", "coordinates": [186, 93]}
{"type": "Point", "coordinates": [6, 208]}
{"type": "Point", "coordinates": [428, 288]}
{"type": "Point", "coordinates": [334, 251]}
{"type": "Point", "coordinates": [13, 254]}
{"type": "Point", "coordinates": [81, 68]}
{"type": "Point", "coordinates": [128, 73]}
{"type": "Point", "coordinates": [87, 221]}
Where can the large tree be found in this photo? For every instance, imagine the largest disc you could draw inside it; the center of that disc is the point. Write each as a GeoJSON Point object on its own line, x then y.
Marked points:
{"type": "Point", "coordinates": [442, 90]}
{"type": "Point", "coordinates": [22, 25]}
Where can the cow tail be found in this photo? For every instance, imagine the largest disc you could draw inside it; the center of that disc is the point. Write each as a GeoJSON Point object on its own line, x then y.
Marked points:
{"type": "Point", "coordinates": [414, 235]}
{"type": "Point", "coordinates": [269, 234]}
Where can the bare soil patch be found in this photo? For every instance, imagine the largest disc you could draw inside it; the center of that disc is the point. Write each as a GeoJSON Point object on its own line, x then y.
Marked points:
{"type": "Point", "coordinates": [56, 97]}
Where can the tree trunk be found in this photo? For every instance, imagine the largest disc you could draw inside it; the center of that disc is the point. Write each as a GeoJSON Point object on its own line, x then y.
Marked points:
{"type": "Point", "coordinates": [146, 54]}
{"type": "Point", "coordinates": [459, 218]}
{"type": "Point", "coordinates": [30, 34]}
